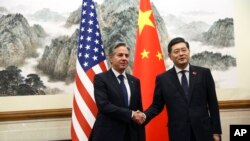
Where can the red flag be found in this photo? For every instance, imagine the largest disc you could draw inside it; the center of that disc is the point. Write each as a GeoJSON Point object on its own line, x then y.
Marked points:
{"type": "Point", "coordinates": [148, 63]}
{"type": "Point", "coordinates": [90, 60]}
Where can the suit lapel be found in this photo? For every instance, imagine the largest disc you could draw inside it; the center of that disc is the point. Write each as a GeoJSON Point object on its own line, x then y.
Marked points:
{"type": "Point", "coordinates": [132, 89]}
{"type": "Point", "coordinates": [133, 86]}
{"type": "Point", "coordinates": [174, 78]}
{"type": "Point", "coordinates": [192, 79]}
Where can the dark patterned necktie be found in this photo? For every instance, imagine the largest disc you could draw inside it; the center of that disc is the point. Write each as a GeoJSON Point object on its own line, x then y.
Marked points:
{"type": "Point", "coordinates": [184, 82]}
{"type": "Point", "coordinates": [124, 90]}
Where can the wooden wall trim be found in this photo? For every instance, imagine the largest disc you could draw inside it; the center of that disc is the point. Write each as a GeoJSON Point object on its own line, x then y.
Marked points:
{"type": "Point", "coordinates": [35, 114]}
{"type": "Point", "coordinates": [234, 104]}
{"type": "Point", "coordinates": [66, 112]}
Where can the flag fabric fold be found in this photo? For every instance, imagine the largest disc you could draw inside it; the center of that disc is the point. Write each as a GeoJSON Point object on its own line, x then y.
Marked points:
{"type": "Point", "coordinates": [148, 63]}
{"type": "Point", "coordinates": [90, 60]}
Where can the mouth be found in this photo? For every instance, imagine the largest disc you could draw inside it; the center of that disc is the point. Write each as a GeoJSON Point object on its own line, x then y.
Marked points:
{"type": "Point", "coordinates": [182, 59]}
{"type": "Point", "coordinates": [124, 64]}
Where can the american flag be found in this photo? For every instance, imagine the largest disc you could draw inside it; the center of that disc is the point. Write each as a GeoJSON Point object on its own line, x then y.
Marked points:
{"type": "Point", "coordinates": [90, 60]}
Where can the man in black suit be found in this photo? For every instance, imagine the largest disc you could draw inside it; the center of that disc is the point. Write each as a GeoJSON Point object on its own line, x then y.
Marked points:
{"type": "Point", "coordinates": [118, 105]}
{"type": "Point", "coordinates": [189, 94]}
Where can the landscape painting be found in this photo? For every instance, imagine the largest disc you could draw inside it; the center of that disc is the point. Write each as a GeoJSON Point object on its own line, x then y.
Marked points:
{"type": "Point", "coordinates": [38, 39]}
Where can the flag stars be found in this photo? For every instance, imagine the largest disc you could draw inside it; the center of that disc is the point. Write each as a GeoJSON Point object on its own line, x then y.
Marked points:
{"type": "Point", "coordinates": [85, 4]}
{"type": "Point", "coordinates": [94, 58]}
{"type": "Point", "coordinates": [81, 37]}
{"type": "Point", "coordinates": [90, 22]}
{"type": "Point", "coordinates": [91, 14]}
{"type": "Point", "coordinates": [90, 49]}
{"type": "Point", "coordinates": [144, 54]}
{"type": "Point", "coordinates": [144, 19]}
{"type": "Point", "coordinates": [159, 55]}
{"type": "Point", "coordinates": [92, 6]}
{"type": "Point", "coordinates": [90, 30]}
{"type": "Point", "coordinates": [85, 64]}
{"type": "Point", "coordinates": [83, 20]}
{"type": "Point", "coordinates": [80, 55]}
{"type": "Point", "coordinates": [88, 38]}
{"type": "Point", "coordinates": [86, 55]}
{"type": "Point", "coordinates": [80, 46]}
{"type": "Point", "coordinates": [95, 49]}
{"type": "Point", "coordinates": [97, 34]}
{"type": "Point", "coordinates": [96, 41]}
{"type": "Point", "coordinates": [87, 47]}
{"type": "Point", "coordinates": [83, 12]}
{"type": "Point", "coordinates": [82, 29]}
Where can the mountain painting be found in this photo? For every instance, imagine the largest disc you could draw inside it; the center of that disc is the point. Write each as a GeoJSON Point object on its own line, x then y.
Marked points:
{"type": "Point", "coordinates": [38, 39]}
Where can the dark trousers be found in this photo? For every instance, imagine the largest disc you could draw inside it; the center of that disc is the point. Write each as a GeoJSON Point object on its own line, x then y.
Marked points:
{"type": "Point", "coordinates": [192, 136]}
{"type": "Point", "coordinates": [127, 136]}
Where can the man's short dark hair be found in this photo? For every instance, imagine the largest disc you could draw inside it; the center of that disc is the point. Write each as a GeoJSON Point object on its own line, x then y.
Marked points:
{"type": "Point", "coordinates": [176, 41]}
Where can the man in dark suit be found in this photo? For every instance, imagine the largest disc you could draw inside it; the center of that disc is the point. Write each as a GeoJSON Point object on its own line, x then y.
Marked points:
{"type": "Point", "coordinates": [118, 101]}
{"type": "Point", "coordinates": [189, 94]}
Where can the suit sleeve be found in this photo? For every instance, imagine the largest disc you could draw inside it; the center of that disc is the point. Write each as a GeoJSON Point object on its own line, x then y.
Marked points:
{"type": "Point", "coordinates": [105, 106]}
{"type": "Point", "coordinates": [158, 103]}
{"type": "Point", "coordinates": [213, 104]}
{"type": "Point", "coordinates": [139, 99]}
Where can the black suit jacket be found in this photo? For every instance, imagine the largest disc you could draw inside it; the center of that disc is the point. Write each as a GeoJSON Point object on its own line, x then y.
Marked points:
{"type": "Point", "coordinates": [114, 118]}
{"type": "Point", "coordinates": [199, 111]}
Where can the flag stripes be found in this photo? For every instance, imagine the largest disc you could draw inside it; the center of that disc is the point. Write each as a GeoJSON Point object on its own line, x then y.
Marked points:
{"type": "Point", "coordinates": [84, 116]}
{"type": "Point", "coordinates": [90, 60]}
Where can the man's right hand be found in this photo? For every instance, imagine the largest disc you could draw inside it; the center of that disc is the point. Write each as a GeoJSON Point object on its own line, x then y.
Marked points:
{"type": "Point", "coordinates": [139, 117]}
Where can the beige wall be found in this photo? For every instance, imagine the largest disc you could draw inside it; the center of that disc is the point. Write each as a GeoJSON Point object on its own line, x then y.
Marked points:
{"type": "Point", "coordinates": [35, 130]}
{"type": "Point", "coordinates": [233, 117]}
{"type": "Point", "coordinates": [59, 129]}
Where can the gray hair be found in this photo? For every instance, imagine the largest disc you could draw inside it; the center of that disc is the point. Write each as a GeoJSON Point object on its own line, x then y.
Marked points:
{"type": "Point", "coordinates": [112, 49]}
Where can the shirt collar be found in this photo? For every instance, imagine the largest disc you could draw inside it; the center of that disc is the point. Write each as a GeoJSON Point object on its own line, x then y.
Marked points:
{"type": "Point", "coordinates": [117, 73]}
{"type": "Point", "coordinates": [178, 69]}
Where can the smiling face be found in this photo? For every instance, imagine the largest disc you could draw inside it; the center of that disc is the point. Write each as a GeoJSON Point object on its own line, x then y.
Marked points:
{"type": "Point", "coordinates": [119, 59]}
{"type": "Point", "coordinates": [180, 55]}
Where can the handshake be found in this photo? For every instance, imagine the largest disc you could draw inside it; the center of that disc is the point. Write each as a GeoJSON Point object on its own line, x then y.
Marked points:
{"type": "Point", "coordinates": [138, 117]}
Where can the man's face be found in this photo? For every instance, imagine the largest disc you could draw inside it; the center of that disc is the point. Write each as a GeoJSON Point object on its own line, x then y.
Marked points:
{"type": "Point", "coordinates": [120, 59]}
{"type": "Point", "coordinates": [180, 55]}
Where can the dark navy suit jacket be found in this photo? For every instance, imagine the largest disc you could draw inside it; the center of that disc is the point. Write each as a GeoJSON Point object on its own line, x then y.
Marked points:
{"type": "Point", "coordinates": [114, 118]}
{"type": "Point", "coordinates": [199, 111]}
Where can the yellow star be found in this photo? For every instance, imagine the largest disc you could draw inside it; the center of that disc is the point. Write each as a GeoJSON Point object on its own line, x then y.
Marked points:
{"type": "Point", "coordinates": [144, 54]}
{"type": "Point", "coordinates": [144, 20]}
{"type": "Point", "coordinates": [159, 55]}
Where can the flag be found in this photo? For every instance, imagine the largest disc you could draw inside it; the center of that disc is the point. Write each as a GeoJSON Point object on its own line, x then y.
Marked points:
{"type": "Point", "coordinates": [90, 60]}
{"type": "Point", "coordinates": [148, 63]}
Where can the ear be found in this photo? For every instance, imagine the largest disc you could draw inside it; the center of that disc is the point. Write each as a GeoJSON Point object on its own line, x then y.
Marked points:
{"type": "Point", "coordinates": [110, 58]}
{"type": "Point", "coordinates": [169, 55]}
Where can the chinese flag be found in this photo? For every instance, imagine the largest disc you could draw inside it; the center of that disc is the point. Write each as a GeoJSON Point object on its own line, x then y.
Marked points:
{"type": "Point", "coordinates": [148, 63]}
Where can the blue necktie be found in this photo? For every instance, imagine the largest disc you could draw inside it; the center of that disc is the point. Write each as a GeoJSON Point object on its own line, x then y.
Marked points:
{"type": "Point", "coordinates": [184, 82]}
{"type": "Point", "coordinates": [124, 90]}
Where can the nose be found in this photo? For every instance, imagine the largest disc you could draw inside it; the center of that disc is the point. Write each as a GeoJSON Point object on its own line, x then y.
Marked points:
{"type": "Point", "coordinates": [182, 52]}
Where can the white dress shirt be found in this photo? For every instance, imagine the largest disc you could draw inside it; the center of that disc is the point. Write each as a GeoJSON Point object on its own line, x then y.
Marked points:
{"type": "Point", "coordinates": [125, 82]}
{"type": "Point", "coordinates": [179, 74]}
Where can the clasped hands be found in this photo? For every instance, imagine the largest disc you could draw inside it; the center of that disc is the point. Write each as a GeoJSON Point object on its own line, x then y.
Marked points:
{"type": "Point", "coordinates": [139, 117]}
